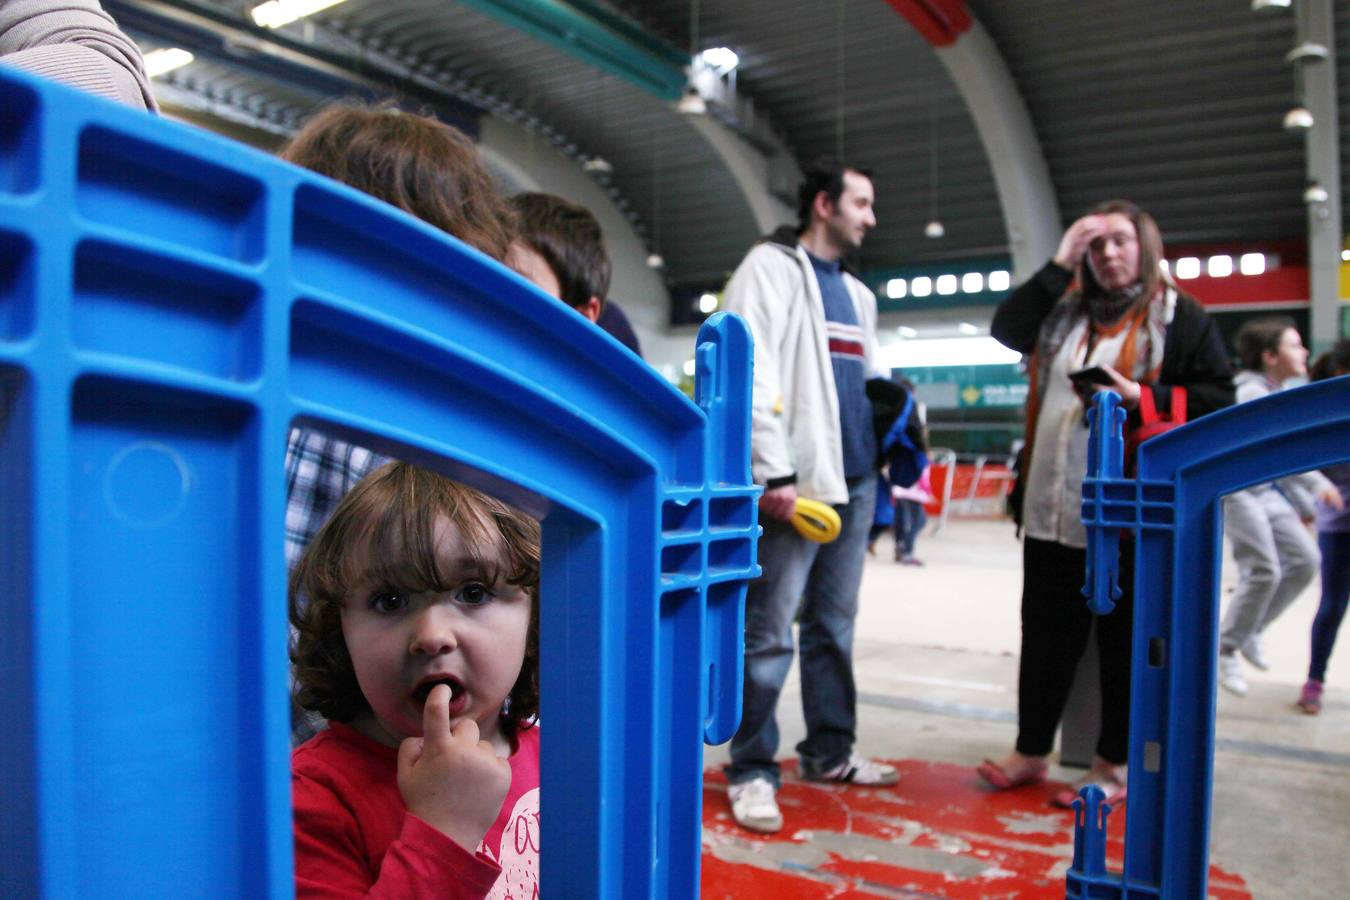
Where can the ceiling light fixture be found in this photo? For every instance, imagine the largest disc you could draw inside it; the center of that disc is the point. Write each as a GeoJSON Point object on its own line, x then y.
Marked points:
{"type": "Point", "coordinates": [1298, 119]}
{"type": "Point", "coordinates": [656, 261]}
{"type": "Point", "coordinates": [597, 165]}
{"type": "Point", "coordinates": [1315, 193]}
{"type": "Point", "coordinates": [1308, 51]}
{"type": "Point", "coordinates": [157, 62]}
{"type": "Point", "coordinates": [707, 304]}
{"type": "Point", "coordinates": [1263, 5]}
{"type": "Point", "coordinates": [934, 230]}
{"type": "Point", "coordinates": [1188, 267]}
{"type": "Point", "coordinates": [692, 103]}
{"type": "Point", "coordinates": [275, 13]}
{"type": "Point", "coordinates": [720, 59]}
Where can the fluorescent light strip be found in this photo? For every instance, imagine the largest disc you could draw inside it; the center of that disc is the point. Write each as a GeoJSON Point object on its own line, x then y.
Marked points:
{"type": "Point", "coordinates": [158, 62]}
{"type": "Point", "coordinates": [275, 13]}
{"type": "Point", "coordinates": [958, 351]}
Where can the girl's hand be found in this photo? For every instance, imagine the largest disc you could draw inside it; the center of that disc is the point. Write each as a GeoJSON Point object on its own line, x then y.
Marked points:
{"type": "Point", "coordinates": [1076, 240]}
{"type": "Point", "coordinates": [1331, 497]}
{"type": "Point", "coordinates": [450, 779]}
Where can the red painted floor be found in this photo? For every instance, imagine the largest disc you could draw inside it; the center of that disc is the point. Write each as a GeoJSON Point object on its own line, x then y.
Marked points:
{"type": "Point", "coordinates": [938, 833]}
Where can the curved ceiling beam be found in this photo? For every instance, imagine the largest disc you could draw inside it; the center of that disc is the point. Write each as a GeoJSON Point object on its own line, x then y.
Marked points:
{"type": "Point", "coordinates": [749, 169]}
{"type": "Point", "coordinates": [1025, 191]}
{"type": "Point", "coordinates": [618, 46]}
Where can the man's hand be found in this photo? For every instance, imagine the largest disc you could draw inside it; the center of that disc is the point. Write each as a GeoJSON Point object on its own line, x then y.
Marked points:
{"type": "Point", "coordinates": [780, 502]}
{"type": "Point", "coordinates": [1077, 238]}
{"type": "Point", "coordinates": [1331, 497]}
{"type": "Point", "coordinates": [450, 779]}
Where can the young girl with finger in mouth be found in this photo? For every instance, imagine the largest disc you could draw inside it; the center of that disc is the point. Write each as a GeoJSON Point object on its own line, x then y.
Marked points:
{"type": "Point", "coordinates": [416, 618]}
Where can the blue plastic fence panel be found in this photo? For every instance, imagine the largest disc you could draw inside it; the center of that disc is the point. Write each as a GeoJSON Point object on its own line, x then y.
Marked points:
{"type": "Point", "coordinates": [1174, 510]}
{"type": "Point", "coordinates": [170, 304]}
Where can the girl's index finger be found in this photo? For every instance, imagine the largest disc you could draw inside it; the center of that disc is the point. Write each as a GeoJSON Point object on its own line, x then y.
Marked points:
{"type": "Point", "coordinates": [436, 715]}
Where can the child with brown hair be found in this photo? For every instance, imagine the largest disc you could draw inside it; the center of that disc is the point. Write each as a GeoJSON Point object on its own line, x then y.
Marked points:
{"type": "Point", "coordinates": [428, 169]}
{"type": "Point", "coordinates": [418, 640]}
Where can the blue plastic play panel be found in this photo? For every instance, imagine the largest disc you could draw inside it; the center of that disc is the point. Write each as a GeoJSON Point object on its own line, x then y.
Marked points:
{"type": "Point", "coordinates": [170, 304]}
{"type": "Point", "coordinates": [1172, 509]}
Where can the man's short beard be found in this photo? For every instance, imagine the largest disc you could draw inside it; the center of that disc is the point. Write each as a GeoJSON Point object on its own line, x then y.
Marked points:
{"type": "Point", "coordinates": [842, 238]}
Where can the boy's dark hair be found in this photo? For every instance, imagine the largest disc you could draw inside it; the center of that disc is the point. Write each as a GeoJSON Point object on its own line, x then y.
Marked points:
{"type": "Point", "coordinates": [825, 174]}
{"type": "Point", "coordinates": [1334, 362]}
{"type": "Point", "coordinates": [383, 533]}
{"type": "Point", "coordinates": [1258, 337]}
{"type": "Point", "coordinates": [422, 166]}
{"type": "Point", "coordinates": [569, 238]}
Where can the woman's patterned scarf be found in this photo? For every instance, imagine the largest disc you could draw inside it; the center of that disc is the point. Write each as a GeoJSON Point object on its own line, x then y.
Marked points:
{"type": "Point", "coordinates": [1146, 319]}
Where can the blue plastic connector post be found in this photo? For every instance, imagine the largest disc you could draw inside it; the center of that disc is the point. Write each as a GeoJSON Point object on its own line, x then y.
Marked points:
{"type": "Point", "coordinates": [1087, 877]}
{"type": "Point", "coordinates": [1105, 462]}
{"type": "Point", "coordinates": [1089, 831]}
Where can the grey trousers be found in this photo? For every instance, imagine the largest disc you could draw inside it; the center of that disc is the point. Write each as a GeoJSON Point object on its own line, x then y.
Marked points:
{"type": "Point", "coordinates": [1276, 558]}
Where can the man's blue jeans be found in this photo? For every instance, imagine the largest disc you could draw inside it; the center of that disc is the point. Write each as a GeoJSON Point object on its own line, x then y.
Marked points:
{"type": "Point", "coordinates": [825, 579]}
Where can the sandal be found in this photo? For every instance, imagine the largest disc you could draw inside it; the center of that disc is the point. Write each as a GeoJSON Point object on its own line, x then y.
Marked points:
{"type": "Point", "coordinates": [997, 777]}
{"type": "Point", "coordinates": [1112, 783]}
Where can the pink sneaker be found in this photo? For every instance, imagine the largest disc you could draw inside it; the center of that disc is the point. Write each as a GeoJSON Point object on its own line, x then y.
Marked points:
{"type": "Point", "coordinates": [1310, 698]}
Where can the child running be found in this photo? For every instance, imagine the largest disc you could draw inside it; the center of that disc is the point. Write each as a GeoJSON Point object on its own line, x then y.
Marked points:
{"type": "Point", "coordinates": [418, 641]}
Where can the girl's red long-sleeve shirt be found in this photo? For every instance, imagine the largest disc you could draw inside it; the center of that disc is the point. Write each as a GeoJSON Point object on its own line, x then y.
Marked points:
{"type": "Point", "coordinates": [355, 838]}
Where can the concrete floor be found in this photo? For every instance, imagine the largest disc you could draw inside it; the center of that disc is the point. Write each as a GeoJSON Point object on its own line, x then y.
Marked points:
{"type": "Point", "coordinates": [936, 668]}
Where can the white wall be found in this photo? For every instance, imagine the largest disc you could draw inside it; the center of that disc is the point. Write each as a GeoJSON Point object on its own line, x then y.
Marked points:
{"type": "Point", "coordinates": [529, 163]}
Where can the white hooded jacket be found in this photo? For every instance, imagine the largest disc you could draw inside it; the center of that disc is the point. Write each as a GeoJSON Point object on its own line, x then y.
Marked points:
{"type": "Point", "coordinates": [795, 410]}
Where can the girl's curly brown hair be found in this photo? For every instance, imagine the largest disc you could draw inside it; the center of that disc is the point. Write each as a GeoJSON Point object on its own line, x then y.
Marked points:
{"type": "Point", "coordinates": [417, 163]}
{"type": "Point", "coordinates": [383, 532]}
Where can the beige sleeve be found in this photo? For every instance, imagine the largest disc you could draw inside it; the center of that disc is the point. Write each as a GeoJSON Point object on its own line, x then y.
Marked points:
{"type": "Point", "coordinates": [74, 42]}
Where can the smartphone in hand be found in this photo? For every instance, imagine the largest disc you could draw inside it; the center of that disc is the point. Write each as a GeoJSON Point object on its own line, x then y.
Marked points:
{"type": "Point", "coordinates": [1094, 375]}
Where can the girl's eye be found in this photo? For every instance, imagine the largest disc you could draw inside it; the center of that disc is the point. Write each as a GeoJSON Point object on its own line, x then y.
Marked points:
{"type": "Point", "coordinates": [474, 593]}
{"type": "Point", "coordinates": [387, 601]}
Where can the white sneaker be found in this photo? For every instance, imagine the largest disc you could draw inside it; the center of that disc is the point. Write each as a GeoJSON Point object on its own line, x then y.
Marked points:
{"type": "Point", "coordinates": [754, 805]}
{"type": "Point", "coordinates": [1231, 677]}
{"type": "Point", "coordinates": [857, 770]}
{"type": "Point", "coordinates": [1253, 650]}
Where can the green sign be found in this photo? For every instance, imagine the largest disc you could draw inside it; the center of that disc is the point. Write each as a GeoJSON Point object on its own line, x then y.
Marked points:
{"type": "Point", "coordinates": [992, 394]}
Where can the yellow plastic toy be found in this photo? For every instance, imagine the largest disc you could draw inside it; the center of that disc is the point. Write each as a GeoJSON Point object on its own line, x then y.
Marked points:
{"type": "Point", "coordinates": [815, 521]}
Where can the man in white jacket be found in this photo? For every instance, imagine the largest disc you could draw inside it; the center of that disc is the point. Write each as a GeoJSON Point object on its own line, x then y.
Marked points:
{"type": "Point", "coordinates": [814, 325]}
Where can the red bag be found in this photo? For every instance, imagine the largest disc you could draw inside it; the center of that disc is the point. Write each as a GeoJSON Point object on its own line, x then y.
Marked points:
{"type": "Point", "coordinates": [1150, 423]}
